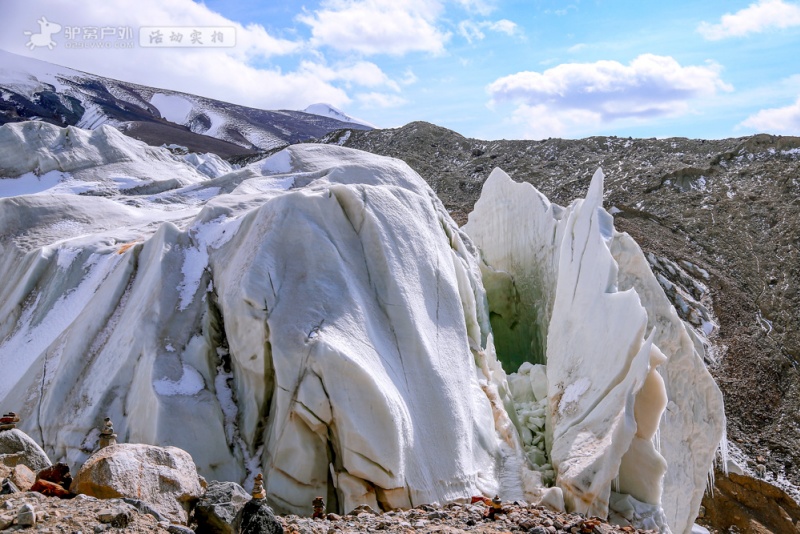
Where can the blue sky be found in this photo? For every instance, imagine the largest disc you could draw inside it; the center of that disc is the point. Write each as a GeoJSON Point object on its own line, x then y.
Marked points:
{"type": "Point", "coordinates": [490, 69]}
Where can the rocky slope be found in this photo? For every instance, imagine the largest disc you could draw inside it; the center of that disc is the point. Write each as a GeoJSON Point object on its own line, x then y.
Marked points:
{"type": "Point", "coordinates": [720, 222]}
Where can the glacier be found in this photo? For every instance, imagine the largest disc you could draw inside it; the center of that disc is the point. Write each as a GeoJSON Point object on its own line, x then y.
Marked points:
{"type": "Point", "coordinates": [318, 316]}
{"type": "Point", "coordinates": [634, 419]}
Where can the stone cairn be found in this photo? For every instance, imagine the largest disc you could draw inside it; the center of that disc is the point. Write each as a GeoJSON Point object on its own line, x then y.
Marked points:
{"type": "Point", "coordinates": [258, 487]}
{"type": "Point", "coordinates": [9, 421]}
{"type": "Point", "coordinates": [319, 508]}
{"type": "Point", "coordinates": [495, 507]}
{"type": "Point", "coordinates": [107, 436]}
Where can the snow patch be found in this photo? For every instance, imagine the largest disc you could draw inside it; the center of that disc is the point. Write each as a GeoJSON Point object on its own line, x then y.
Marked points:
{"type": "Point", "coordinates": [279, 163]}
{"type": "Point", "coordinates": [327, 110]}
{"type": "Point", "coordinates": [573, 393]}
{"type": "Point", "coordinates": [66, 256]}
{"type": "Point", "coordinates": [212, 234]}
{"type": "Point", "coordinates": [30, 184]}
{"type": "Point", "coordinates": [173, 108]}
{"type": "Point", "coordinates": [190, 383]}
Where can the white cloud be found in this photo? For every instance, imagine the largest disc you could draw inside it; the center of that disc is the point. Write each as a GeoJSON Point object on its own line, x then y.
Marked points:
{"type": "Point", "coordinates": [379, 100]}
{"type": "Point", "coordinates": [473, 31]}
{"type": "Point", "coordinates": [576, 48]}
{"type": "Point", "coordinates": [504, 26]}
{"type": "Point", "coordinates": [229, 74]}
{"type": "Point", "coordinates": [409, 78]}
{"type": "Point", "coordinates": [541, 122]}
{"type": "Point", "coordinates": [650, 86]}
{"type": "Point", "coordinates": [755, 18]}
{"type": "Point", "coordinates": [481, 7]}
{"type": "Point", "coordinates": [363, 73]}
{"type": "Point", "coordinates": [372, 27]}
{"type": "Point", "coordinates": [561, 12]}
{"type": "Point", "coordinates": [470, 31]}
{"type": "Point", "coordinates": [785, 120]}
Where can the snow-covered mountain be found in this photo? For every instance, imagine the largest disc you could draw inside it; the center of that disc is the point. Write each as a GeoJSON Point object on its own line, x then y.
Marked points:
{"type": "Point", "coordinates": [318, 316]}
{"type": "Point", "coordinates": [327, 110]}
{"type": "Point", "coordinates": [36, 90]}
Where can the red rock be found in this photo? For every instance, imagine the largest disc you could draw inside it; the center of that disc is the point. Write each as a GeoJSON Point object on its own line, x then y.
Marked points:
{"type": "Point", "coordinates": [50, 489]}
{"type": "Point", "coordinates": [58, 473]}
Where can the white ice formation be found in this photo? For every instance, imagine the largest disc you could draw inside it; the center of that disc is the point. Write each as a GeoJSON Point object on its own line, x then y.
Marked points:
{"type": "Point", "coordinates": [319, 317]}
{"type": "Point", "coordinates": [633, 418]}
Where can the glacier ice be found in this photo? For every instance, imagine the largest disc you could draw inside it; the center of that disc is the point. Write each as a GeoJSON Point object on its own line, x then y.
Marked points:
{"type": "Point", "coordinates": [266, 319]}
{"type": "Point", "coordinates": [318, 316]}
{"type": "Point", "coordinates": [631, 407]}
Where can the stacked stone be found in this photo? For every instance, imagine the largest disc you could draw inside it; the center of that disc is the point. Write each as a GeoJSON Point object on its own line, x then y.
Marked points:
{"type": "Point", "coordinates": [495, 507]}
{"type": "Point", "coordinates": [9, 421]}
{"type": "Point", "coordinates": [258, 487]}
{"type": "Point", "coordinates": [107, 435]}
{"type": "Point", "coordinates": [318, 506]}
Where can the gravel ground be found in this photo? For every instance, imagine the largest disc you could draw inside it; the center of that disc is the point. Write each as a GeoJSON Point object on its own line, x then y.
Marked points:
{"type": "Point", "coordinates": [87, 515]}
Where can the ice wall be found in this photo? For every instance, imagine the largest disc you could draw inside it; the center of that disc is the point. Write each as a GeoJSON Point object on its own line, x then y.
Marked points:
{"type": "Point", "coordinates": [319, 317]}
{"type": "Point", "coordinates": [316, 316]}
{"type": "Point", "coordinates": [621, 367]}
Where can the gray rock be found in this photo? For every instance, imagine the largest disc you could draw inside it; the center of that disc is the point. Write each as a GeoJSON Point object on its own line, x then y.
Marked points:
{"type": "Point", "coordinates": [178, 529]}
{"type": "Point", "coordinates": [257, 518]}
{"type": "Point", "coordinates": [143, 507]}
{"type": "Point", "coordinates": [16, 447]}
{"type": "Point", "coordinates": [217, 509]}
{"type": "Point", "coordinates": [8, 487]}
{"type": "Point", "coordinates": [26, 516]}
{"type": "Point", "coordinates": [116, 517]}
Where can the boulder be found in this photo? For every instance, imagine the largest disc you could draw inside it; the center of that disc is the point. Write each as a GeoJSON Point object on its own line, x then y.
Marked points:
{"type": "Point", "coordinates": [741, 503]}
{"type": "Point", "coordinates": [16, 447]}
{"type": "Point", "coordinates": [22, 477]}
{"type": "Point", "coordinates": [216, 510]}
{"type": "Point", "coordinates": [58, 474]}
{"type": "Point", "coordinates": [257, 518]}
{"type": "Point", "coordinates": [163, 477]}
{"type": "Point", "coordinates": [50, 489]}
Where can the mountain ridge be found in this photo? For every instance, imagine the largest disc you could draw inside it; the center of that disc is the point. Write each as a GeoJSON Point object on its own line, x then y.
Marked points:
{"type": "Point", "coordinates": [35, 89]}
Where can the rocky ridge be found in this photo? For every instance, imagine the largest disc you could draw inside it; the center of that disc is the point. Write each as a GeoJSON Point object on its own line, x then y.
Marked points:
{"type": "Point", "coordinates": [718, 219]}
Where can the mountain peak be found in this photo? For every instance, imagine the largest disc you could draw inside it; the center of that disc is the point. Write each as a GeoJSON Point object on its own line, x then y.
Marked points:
{"type": "Point", "coordinates": [327, 110]}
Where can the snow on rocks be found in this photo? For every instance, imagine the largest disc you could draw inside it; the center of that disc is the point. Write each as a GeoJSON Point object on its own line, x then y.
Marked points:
{"type": "Point", "coordinates": [566, 290]}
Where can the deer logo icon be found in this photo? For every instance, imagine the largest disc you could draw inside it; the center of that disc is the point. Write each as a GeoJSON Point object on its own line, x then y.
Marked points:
{"type": "Point", "coordinates": [44, 37]}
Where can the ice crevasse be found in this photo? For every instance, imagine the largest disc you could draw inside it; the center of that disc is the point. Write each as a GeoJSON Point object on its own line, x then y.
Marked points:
{"type": "Point", "coordinates": [633, 418]}
{"type": "Point", "coordinates": [318, 316]}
